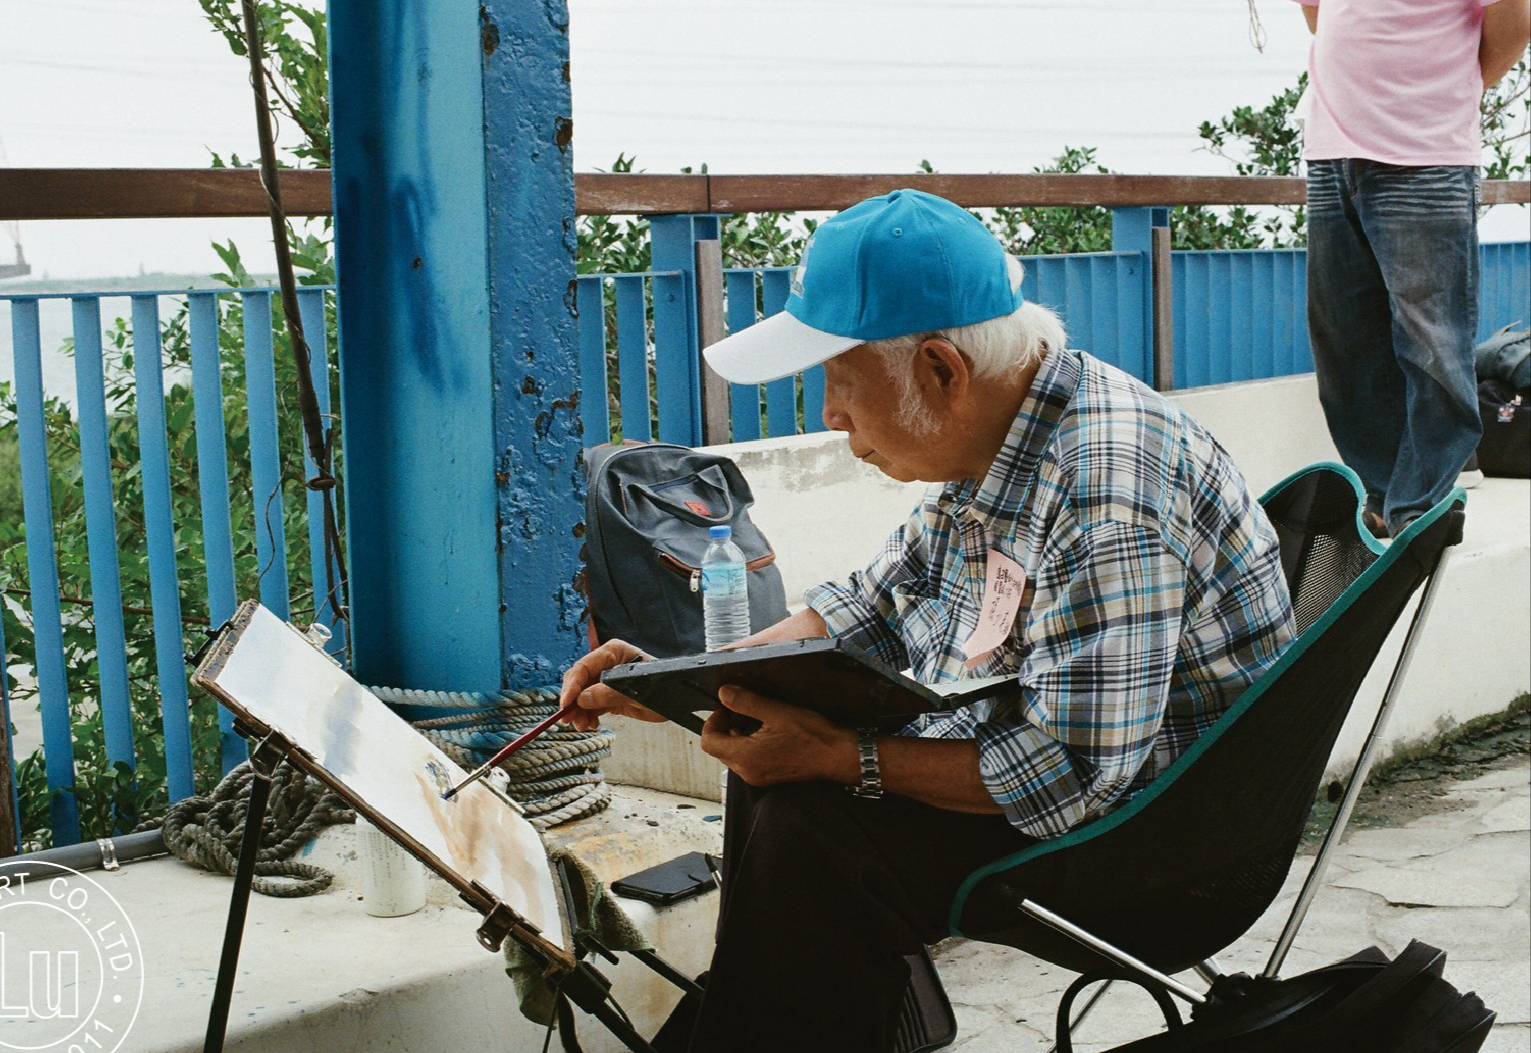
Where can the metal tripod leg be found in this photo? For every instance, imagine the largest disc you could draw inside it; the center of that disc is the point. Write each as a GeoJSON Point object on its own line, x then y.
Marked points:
{"type": "Point", "coordinates": [1358, 775]}
{"type": "Point", "coordinates": [1111, 951]}
{"type": "Point", "coordinates": [587, 989]}
{"type": "Point", "coordinates": [1209, 971]}
{"type": "Point", "coordinates": [263, 761]}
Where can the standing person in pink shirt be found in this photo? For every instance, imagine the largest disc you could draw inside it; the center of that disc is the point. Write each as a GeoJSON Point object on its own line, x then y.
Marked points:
{"type": "Point", "coordinates": [1393, 148]}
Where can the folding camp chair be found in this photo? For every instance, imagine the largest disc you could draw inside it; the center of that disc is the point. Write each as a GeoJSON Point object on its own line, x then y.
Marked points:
{"type": "Point", "coordinates": [1173, 877]}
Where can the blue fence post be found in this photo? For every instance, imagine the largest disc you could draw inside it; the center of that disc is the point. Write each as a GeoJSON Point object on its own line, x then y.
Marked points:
{"type": "Point", "coordinates": [677, 342]}
{"type": "Point", "coordinates": [101, 534]}
{"type": "Point", "coordinates": [213, 490]}
{"type": "Point", "coordinates": [1132, 230]}
{"type": "Point", "coordinates": [42, 573]}
{"type": "Point", "coordinates": [10, 837]}
{"type": "Point", "coordinates": [159, 536]}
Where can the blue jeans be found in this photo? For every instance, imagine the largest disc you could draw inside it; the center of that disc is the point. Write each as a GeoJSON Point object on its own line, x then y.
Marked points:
{"type": "Point", "coordinates": [1392, 311]}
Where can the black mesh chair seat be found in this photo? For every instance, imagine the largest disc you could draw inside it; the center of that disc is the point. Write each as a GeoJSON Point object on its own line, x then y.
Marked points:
{"type": "Point", "coordinates": [1186, 867]}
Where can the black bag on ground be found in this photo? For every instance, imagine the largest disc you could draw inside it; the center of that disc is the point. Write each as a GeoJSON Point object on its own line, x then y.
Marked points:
{"type": "Point", "coordinates": [1505, 449]}
{"type": "Point", "coordinates": [647, 512]}
{"type": "Point", "coordinates": [1364, 1004]}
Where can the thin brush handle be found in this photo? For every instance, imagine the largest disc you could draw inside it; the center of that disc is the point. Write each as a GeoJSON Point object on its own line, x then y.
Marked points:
{"type": "Point", "coordinates": [506, 751]}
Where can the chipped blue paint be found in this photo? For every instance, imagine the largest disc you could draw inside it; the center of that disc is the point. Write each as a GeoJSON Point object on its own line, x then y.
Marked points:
{"type": "Point", "coordinates": [529, 178]}
{"type": "Point", "coordinates": [455, 235]}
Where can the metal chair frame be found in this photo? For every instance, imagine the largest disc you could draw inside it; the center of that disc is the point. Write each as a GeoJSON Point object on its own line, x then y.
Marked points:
{"type": "Point", "coordinates": [1208, 970]}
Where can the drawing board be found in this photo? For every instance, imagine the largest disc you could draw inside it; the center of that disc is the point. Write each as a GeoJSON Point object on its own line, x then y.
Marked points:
{"type": "Point", "coordinates": [274, 679]}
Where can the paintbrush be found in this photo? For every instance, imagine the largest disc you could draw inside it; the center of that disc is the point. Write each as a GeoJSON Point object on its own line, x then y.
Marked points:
{"type": "Point", "coordinates": [505, 751]}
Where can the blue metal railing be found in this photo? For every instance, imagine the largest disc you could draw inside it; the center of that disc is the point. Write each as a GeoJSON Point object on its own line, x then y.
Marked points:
{"type": "Point", "coordinates": [1102, 295]}
{"type": "Point", "coordinates": [1243, 315]}
{"type": "Point", "coordinates": [173, 570]}
{"type": "Point", "coordinates": [1102, 298]}
{"type": "Point", "coordinates": [632, 341]}
{"type": "Point", "coordinates": [759, 411]}
{"type": "Point", "coordinates": [1504, 286]}
{"type": "Point", "coordinates": [1237, 316]}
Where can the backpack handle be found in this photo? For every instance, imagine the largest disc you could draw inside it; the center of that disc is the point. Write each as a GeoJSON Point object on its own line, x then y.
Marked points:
{"type": "Point", "coordinates": [1065, 1040]}
{"type": "Point", "coordinates": [654, 493]}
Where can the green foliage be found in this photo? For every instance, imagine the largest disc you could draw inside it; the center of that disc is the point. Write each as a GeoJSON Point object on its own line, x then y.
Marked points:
{"type": "Point", "coordinates": [296, 40]}
{"type": "Point", "coordinates": [1505, 115]}
{"type": "Point", "coordinates": [10, 469]}
{"type": "Point", "coordinates": [620, 244]}
{"type": "Point", "coordinates": [1031, 231]}
{"type": "Point", "coordinates": [1259, 142]}
{"type": "Point", "coordinates": [112, 798]}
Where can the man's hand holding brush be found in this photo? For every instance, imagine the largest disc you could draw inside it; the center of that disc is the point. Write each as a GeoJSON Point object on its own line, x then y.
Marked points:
{"type": "Point", "coordinates": [584, 699]}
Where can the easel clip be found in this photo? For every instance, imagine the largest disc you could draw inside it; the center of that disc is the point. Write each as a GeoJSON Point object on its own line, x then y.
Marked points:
{"type": "Point", "coordinates": [268, 753]}
{"type": "Point", "coordinates": [500, 922]}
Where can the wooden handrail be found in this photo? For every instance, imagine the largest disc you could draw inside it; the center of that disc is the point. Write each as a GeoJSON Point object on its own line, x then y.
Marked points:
{"type": "Point", "coordinates": [173, 193]}
{"type": "Point", "coordinates": [154, 193]}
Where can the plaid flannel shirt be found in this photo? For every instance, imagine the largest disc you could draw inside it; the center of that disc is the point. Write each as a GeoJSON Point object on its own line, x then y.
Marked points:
{"type": "Point", "coordinates": [1154, 594]}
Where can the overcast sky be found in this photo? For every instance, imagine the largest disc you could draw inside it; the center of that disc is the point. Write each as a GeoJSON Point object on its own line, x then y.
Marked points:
{"type": "Point", "coordinates": [744, 85]}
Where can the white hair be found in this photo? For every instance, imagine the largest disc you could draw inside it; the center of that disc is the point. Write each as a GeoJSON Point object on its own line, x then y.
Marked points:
{"type": "Point", "coordinates": [1007, 344]}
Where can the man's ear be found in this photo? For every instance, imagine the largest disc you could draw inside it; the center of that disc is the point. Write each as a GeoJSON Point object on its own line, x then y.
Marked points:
{"type": "Point", "coordinates": [947, 368]}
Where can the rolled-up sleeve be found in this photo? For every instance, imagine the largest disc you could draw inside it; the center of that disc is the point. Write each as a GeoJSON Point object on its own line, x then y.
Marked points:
{"type": "Point", "coordinates": [1094, 687]}
{"type": "Point", "coordinates": [862, 609]}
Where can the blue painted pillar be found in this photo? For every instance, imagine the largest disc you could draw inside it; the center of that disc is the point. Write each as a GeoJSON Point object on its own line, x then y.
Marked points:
{"type": "Point", "coordinates": [454, 202]}
{"type": "Point", "coordinates": [1132, 231]}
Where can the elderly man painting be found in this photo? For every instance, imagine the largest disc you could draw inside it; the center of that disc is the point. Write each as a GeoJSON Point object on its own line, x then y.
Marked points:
{"type": "Point", "coordinates": [1152, 597]}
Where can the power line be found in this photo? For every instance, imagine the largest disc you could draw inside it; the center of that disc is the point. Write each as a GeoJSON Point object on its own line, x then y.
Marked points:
{"type": "Point", "coordinates": [938, 126]}
{"type": "Point", "coordinates": [155, 70]}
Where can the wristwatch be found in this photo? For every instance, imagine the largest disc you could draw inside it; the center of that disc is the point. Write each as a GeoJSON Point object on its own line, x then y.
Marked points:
{"type": "Point", "coordinates": [870, 784]}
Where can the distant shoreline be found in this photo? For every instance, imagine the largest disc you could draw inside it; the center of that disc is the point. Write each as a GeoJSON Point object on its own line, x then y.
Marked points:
{"type": "Point", "coordinates": [154, 281]}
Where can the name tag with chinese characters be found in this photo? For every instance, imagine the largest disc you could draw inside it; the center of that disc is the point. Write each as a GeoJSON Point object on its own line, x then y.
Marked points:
{"type": "Point", "coordinates": [1004, 584]}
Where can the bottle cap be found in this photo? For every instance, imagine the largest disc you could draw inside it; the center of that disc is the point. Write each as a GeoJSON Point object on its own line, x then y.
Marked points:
{"type": "Point", "coordinates": [720, 533]}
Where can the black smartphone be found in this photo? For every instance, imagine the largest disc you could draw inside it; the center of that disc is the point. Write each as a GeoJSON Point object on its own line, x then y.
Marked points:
{"type": "Point", "coordinates": [680, 878]}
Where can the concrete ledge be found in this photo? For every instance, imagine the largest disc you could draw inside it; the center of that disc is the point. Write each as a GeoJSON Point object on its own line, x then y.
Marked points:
{"type": "Point", "coordinates": [320, 973]}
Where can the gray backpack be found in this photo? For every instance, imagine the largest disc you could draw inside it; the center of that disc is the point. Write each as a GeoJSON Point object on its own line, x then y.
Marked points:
{"type": "Point", "coordinates": [647, 511]}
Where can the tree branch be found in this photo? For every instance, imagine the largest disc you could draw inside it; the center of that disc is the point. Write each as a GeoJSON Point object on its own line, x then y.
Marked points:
{"type": "Point", "coordinates": [80, 601]}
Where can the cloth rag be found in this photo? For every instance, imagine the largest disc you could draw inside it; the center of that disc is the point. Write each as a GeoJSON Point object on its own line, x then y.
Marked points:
{"type": "Point", "coordinates": [599, 916]}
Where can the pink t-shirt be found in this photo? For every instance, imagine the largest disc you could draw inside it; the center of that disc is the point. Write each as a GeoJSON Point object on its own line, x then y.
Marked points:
{"type": "Point", "coordinates": [1396, 81]}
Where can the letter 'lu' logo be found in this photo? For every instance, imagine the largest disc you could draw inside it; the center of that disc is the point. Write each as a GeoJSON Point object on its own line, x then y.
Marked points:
{"type": "Point", "coordinates": [48, 988]}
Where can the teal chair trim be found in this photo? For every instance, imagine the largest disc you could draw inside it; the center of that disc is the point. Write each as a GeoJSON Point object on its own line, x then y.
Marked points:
{"type": "Point", "coordinates": [1387, 555]}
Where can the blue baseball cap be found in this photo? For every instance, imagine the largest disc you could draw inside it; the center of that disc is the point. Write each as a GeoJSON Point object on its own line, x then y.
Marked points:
{"type": "Point", "coordinates": [903, 263]}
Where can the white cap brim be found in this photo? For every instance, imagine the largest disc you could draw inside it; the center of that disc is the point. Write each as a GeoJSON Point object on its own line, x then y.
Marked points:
{"type": "Point", "coordinates": [772, 348]}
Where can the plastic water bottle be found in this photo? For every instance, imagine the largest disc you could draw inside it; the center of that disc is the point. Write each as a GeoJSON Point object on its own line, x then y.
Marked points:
{"type": "Point", "coordinates": [725, 590]}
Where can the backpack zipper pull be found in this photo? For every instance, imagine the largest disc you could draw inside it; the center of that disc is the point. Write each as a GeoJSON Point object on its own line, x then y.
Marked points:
{"type": "Point", "coordinates": [696, 580]}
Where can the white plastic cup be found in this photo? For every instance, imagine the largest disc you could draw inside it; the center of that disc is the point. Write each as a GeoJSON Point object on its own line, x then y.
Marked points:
{"type": "Point", "coordinates": [392, 880]}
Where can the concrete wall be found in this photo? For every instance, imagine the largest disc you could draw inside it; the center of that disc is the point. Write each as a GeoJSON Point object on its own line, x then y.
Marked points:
{"type": "Point", "coordinates": [826, 513]}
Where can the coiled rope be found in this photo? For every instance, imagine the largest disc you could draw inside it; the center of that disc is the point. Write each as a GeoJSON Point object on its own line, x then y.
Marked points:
{"type": "Point", "coordinates": [556, 778]}
{"type": "Point", "coordinates": [207, 831]}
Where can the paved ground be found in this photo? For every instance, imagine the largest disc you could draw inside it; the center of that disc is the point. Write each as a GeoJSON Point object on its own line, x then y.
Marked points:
{"type": "Point", "coordinates": [1457, 879]}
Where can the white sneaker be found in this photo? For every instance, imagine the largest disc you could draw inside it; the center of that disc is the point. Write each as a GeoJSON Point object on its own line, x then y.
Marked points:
{"type": "Point", "coordinates": [1471, 475]}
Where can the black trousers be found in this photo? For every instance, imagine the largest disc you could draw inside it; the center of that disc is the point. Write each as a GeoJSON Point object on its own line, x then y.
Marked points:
{"type": "Point", "coordinates": [824, 893]}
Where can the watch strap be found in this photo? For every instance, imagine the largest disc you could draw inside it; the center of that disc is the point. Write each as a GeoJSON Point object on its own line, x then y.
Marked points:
{"type": "Point", "coordinates": [870, 782]}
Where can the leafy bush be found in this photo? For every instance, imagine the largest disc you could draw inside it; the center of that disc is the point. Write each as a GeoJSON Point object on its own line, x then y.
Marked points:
{"type": "Point", "coordinates": [113, 798]}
